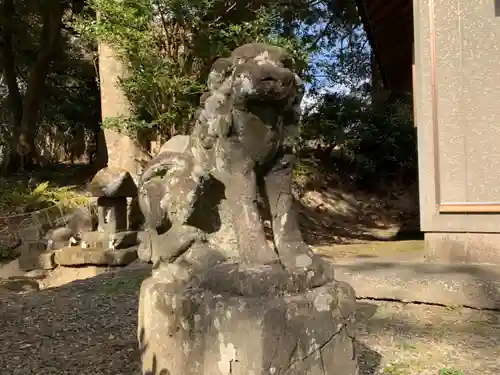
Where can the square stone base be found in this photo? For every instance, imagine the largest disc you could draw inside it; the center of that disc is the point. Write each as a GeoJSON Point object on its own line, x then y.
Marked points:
{"type": "Point", "coordinates": [203, 330]}
{"type": "Point", "coordinates": [463, 247]}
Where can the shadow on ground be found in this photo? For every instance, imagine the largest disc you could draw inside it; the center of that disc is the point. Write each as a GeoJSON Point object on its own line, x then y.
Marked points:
{"type": "Point", "coordinates": [369, 360]}
{"type": "Point", "coordinates": [90, 327]}
{"type": "Point", "coordinates": [331, 216]}
{"type": "Point", "coordinates": [87, 327]}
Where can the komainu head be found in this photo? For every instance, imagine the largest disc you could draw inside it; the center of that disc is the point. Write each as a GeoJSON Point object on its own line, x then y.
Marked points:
{"type": "Point", "coordinates": [256, 75]}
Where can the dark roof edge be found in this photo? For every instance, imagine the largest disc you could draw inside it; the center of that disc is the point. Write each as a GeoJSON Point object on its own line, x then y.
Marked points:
{"type": "Point", "coordinates": [369, 34]}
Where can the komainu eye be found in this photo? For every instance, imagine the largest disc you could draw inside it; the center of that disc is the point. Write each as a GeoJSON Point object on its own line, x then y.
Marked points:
{"type": "Point", "coordinates": [289, 63]}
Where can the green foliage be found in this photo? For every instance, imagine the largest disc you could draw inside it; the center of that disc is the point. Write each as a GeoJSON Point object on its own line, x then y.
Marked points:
{"type": "Point", "coordinates": [304, 171]}
{"type": "Point", "coordinates": [335, 117]}
{"type": "Point", "coordinates": [378, 140]}
{"type": "Point", "coordinates": [330, 32]}
{"type": "Point", "coordinates": [7, 253]}
{"type": "Point", "coordinates": [69, 106]}
{"type": "Point", "coordinates": [169, 46]}
{"type": "Point", "coordinates": [387, 145]}
{"type": "Point", "coordinates": [24, 199]}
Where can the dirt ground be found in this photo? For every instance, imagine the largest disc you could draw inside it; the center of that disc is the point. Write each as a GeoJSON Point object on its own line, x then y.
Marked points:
{"type": "Point", "coordinates": [89, 327]}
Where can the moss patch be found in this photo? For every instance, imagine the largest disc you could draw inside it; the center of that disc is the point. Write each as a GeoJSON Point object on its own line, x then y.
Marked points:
{"type": "Point", "coordinates": [372, 249]}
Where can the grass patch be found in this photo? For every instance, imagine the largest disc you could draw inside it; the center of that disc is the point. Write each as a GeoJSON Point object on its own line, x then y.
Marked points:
{"type": "Point", "coordinates": [116, 285]}
{"type": "Point", "coordinates": [18, 200]}
{"type": "Point", "coordinates": [304, 171]}
{"type": "Point", "coordinates": [371, 249]}
{"type": "Point", "coordinates": [450, 371]}
{"type": "Point", "coordinates": [399, 368]}
{"type": "Point", "coordinates": [7, 253]}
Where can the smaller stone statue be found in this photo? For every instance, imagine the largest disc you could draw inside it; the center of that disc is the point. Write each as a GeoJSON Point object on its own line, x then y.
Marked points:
{"type": "Point", "coordinates": [111, 187]}
{"type": "Point", "coordinates": [79, 238]}
{"type": "Point", "coordinates": [205, 198]}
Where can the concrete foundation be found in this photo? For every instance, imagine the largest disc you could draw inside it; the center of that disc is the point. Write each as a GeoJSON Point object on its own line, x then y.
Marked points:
{"type": "Point", "coordinates": [463, 247]}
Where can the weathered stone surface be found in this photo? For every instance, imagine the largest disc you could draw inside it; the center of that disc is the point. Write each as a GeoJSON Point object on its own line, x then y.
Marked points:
{"type": "Point", "coordinates": [30, 234]}
{"type": "Point", "coordinates": [178, 143]}
{"type": "Point", "coordinates": [172, 243]}
{"type": "Point", "coordinates": [35, 274]}
{"type": "Point", "coordinates": [144, 246]}
{"type": "Point", "coordinates": [205, 328]}
{"type": "Point", "coordinates": [34, 256]}
{"type": "Point", "coordinates": [57, 238]}
{"type": "Point", "coordinates": [112, 214]}
{"type": "Point", "coordinates": [471, 285]}
{"type": "Point", "coordinates": [76, 256]}
{"type": "Point", "coordinates": [63, 275]}
{"type": "Point", "coordinates": [224, 238]}
{"type": "Point", "coordinates": [222, 299]}
{"type": "Point", "coordinates": [43, 261]}
{"type": "Point", "coordinates": [106, 240]}
{"type": "Point", "coordinates": [112, 182]}
{"type": "Point", "coordinates": [80, 219]}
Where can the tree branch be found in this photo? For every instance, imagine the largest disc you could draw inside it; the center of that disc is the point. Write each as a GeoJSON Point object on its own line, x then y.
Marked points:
{"type": "Point", "coordinates": [320, 36]}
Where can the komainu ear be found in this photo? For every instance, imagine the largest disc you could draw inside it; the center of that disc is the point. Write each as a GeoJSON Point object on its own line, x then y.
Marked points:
{"type": "Point", "coordinates": [221, 69]}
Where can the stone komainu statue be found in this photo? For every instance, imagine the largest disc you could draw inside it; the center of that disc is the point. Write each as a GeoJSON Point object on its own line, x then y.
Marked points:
{"type": "Point", "coordinates": [238, 140]}
{"type": "Point", "coordinates": [221, 299]}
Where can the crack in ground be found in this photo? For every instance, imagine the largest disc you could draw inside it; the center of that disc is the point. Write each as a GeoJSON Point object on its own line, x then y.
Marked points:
{"type": "Point", "coordinates": [437, 304]}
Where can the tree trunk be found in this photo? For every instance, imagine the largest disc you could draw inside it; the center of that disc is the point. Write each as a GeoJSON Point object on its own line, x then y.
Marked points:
{"type": "Point", "coordinates": [49, 43]}
{"type": "Point", "coordinates": [122, 151]}
{"type": "Point", "coordinates": [8, 66]}
{"type": "Point", "coordinates": [9, 63]}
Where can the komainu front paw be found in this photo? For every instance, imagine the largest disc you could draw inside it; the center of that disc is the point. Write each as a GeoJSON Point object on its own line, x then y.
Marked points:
{"type": "Point", "coordinates": [175, 242]}
{"type": "Point", "coordinates": [302, 259]}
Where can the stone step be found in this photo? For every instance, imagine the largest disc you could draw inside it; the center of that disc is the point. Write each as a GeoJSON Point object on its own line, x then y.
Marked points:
{"type": "Point", "coordinates": [470, 285]}
{"type": "Point", "coordinates": [77, 256]}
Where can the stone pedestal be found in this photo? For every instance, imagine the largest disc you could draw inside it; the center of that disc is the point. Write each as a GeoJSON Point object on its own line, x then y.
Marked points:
{"type": "Point", "coordinates": [248, 321]}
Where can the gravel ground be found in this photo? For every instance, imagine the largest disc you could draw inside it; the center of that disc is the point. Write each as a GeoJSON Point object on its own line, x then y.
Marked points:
{"type": "Point", "coordinates": [89, 328]}
{"type": "Point", "coordinates": [84, 328]}
{"type": "Point", "coordinates": [409, 339]}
